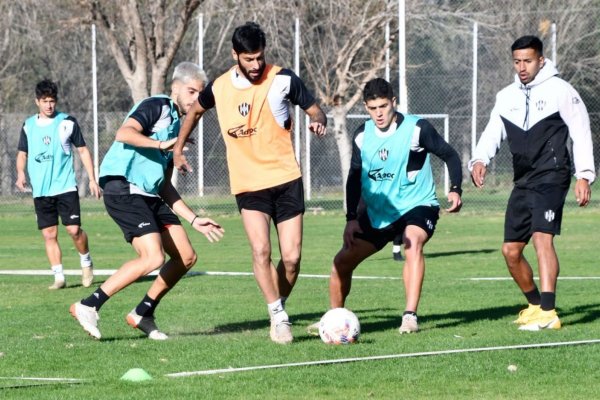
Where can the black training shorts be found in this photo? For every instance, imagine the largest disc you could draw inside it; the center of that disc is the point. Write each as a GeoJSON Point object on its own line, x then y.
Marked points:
{"type": "Point", "coordinates": [425, 217]}
{"type": "Point", "coordinates": [48, 208]}
{"type": "Point", "coordinates": [139, 215]}
{"type": "Point", "coordinates": [281, 202]}
{"type": "Point", "coordinates": [537, 209]}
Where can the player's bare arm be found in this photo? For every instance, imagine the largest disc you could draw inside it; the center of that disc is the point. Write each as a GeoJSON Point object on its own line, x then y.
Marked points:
{"type": "Point", "coordinates": [21, 177]}
{"type": "Point", "coordinates": [318, 120]}
{"type": "Point", "coordinates": [86, 160]}
{"type": "Point", "coordinates": [189, 123]}
{"type": "Point", "coordinates": [209, 228]}
{"type": "Point", "coordinates": [131, 133]}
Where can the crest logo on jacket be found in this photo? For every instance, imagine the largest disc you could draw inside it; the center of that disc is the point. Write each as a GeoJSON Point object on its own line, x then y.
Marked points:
{"type": "Point", "coordinates": [383, 154]}
{"type": "Point", "coordinates": [244, 109]}
{"type": "Point", "coordinates": [540, 104]}
{"type": "Point", "coordinates": [46, 140]}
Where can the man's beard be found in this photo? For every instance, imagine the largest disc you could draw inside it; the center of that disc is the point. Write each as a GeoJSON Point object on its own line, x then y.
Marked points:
{"type": "Point", "coordinates": [247, 75]}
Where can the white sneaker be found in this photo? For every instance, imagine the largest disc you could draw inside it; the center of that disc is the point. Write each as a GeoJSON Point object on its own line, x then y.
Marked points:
{"type": "Point", "coordinates": [409, 324]}
{"type": "Point", "coordinates": [146, 325]}
{"type": "Point", "coordinates": [58, 285]}
{"type": "Point", "coordinates": [281, 332]}
{"type": "Point", "coordinates": [87, 276]}
{"type": "Point", "coordinates": [313, 329]}
{"type": "Point", "coordinates": [88, 318]}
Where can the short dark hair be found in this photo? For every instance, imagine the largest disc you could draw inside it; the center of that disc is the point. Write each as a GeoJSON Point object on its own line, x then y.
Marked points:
{"type": "Point", "coordinates": [46, 88]}
{"type": "Point", "coordinates": [376, 89]}
{"type": "Point", "coordinates": [528, 42]}
{"type": "Point", "coordinates": [248, 38]}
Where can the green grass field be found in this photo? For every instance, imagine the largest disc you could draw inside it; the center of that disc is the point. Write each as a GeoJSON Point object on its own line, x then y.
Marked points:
{"type": "Point", "coordinates": [219, 322]}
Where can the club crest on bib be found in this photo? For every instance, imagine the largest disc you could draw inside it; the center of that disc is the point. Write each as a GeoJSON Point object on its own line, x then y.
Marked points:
{"type": "Point", "coordinates": [244, 109]}
{"type": "Point", "coordinates": [383, 154]}
{"type": "Point", "coordinates": [46, 140]}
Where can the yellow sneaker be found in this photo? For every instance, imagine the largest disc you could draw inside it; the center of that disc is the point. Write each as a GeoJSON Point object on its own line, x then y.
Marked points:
{"type": "Point", "coordinates": [542, 320]}
{"type": "Point", "coordinates": [526, 314]}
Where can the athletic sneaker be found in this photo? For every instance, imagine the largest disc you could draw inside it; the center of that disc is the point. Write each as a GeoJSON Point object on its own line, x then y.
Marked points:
{"type": "Point", "coordinates": [58, 285]}
{"type": "Point", "coordinates": [543, 320]}
{"type": "Point", "coordinates": [87, 276]}
{"type": "Point", "coordinates": [146, 325]}
{"type": "Point", "coordinates": [281, 332]}
{"type": "Point", "coordinates": [527, 314]}
{"type": "Point", "coordinates": [409, 324]}
{"type": "Point", "coordinates": [313, 329]}
{"type": "Point", "coordinates": [398, 256]}
{"type": "Point", "coordinates": [88, 318]}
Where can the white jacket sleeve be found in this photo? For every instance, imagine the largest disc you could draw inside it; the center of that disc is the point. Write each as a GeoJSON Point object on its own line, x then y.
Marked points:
{"type": "Point", "coordinates": [491, 138]}
{"type": "Point", "coordinates": [574, 113]}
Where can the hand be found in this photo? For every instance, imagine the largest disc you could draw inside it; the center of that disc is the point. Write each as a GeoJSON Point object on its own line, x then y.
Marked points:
{"type": "Point", "coordinates": [209, 228]}
{"type": "Point", "coordinates": [181, 164]}
{"type": "Point", "coordinates": [95, 189]}
{"type": "Point", "coordinates": [455, 202]}
{"type": "Point", "coordinates": [167, 145]}
{"type": "Point", "coordinates": [351, 228]}
{"type": "Point", "coordinates": [21, 182]}
{"type": "Point", "coordinates": [318, 129]}
{"type": "Point", "coordinates": [583, 192]}
{"type": "Point", "coordinates": [478, 174]}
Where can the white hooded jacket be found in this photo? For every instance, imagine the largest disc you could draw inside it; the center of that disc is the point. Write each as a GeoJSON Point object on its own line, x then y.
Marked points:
{"type": "Point", "coordinates": [537, 119]}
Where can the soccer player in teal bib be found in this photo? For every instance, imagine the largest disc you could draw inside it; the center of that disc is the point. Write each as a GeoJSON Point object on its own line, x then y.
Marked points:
{"type": "Point", "coordinates": [46, 149]}
{"type": "Point", "coordinates": [390, 191]}
{"type": "Point", "coordinates": [139, 196]}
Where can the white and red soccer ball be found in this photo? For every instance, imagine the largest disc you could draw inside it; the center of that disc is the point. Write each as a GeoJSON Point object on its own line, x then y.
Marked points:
{"type": "Point", "coordinates": [339, 326]}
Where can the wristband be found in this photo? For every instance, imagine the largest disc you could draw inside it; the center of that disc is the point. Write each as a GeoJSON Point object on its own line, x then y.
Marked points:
{"type": "Point", "coordinates": [192, 223]}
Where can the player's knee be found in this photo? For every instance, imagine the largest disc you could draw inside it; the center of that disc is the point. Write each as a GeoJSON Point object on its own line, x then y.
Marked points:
{"type": "Point", "coordinates": [50, 235]}
{"type": "Point", "coordinates": [342, 265]}
{"type": "Point", "coordinates": [261, 254]}
{"type": "Point", "coordinates": [510, 253]}
{"type": "Point", "coordinates": [74, 231]}
{"type": "Point", "coordinates": [153, 261]}
{"type": "Point", "coordinates": [291, 261]}
{"type": "Point", "coordinates": [189, 260]}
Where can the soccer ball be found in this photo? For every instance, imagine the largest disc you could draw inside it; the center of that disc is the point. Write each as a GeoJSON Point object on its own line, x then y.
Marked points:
{"type": "Point", "coordinates": [339, 326]}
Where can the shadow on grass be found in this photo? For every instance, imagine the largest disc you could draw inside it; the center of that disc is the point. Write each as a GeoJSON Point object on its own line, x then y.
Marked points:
{"type": "Point", "coordinates": [583, 314]}
{"type": "Point", "coordinates": [381, 256]}
{"type": "Point", "coordinates": [383, 319]}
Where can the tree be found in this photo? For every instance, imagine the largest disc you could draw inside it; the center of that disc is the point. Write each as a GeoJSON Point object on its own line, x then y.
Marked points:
{"type": "Point", "coordinates": [345, 43]}
{"type": "Point", "coordinates": [143, 37]}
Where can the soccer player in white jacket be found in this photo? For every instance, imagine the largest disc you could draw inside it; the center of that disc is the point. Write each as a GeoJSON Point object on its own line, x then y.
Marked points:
{"type": "Point", "coordinates": [537, 114]}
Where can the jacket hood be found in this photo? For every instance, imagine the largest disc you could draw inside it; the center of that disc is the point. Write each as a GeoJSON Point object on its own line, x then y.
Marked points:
{"type": "Point", "coordinates": [548, 71]}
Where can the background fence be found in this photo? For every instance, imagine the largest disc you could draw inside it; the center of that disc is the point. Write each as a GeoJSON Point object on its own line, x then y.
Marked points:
{"type": "Point", "coordinates": [439, 82]}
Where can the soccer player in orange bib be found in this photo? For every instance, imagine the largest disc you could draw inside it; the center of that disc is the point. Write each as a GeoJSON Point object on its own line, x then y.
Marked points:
{"type": "Point", "coordinates": [252, 102]}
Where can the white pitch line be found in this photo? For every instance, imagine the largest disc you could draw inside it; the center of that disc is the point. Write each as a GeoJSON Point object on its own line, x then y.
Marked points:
{"type": "Point", "coordinates": [508, 278]}
{"type": "Point", "coordinates": [108, 272]}
{"type": "Point", "coordinates": [385, 357]}
{"type": "Point", "coordinates": [26, 378]}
